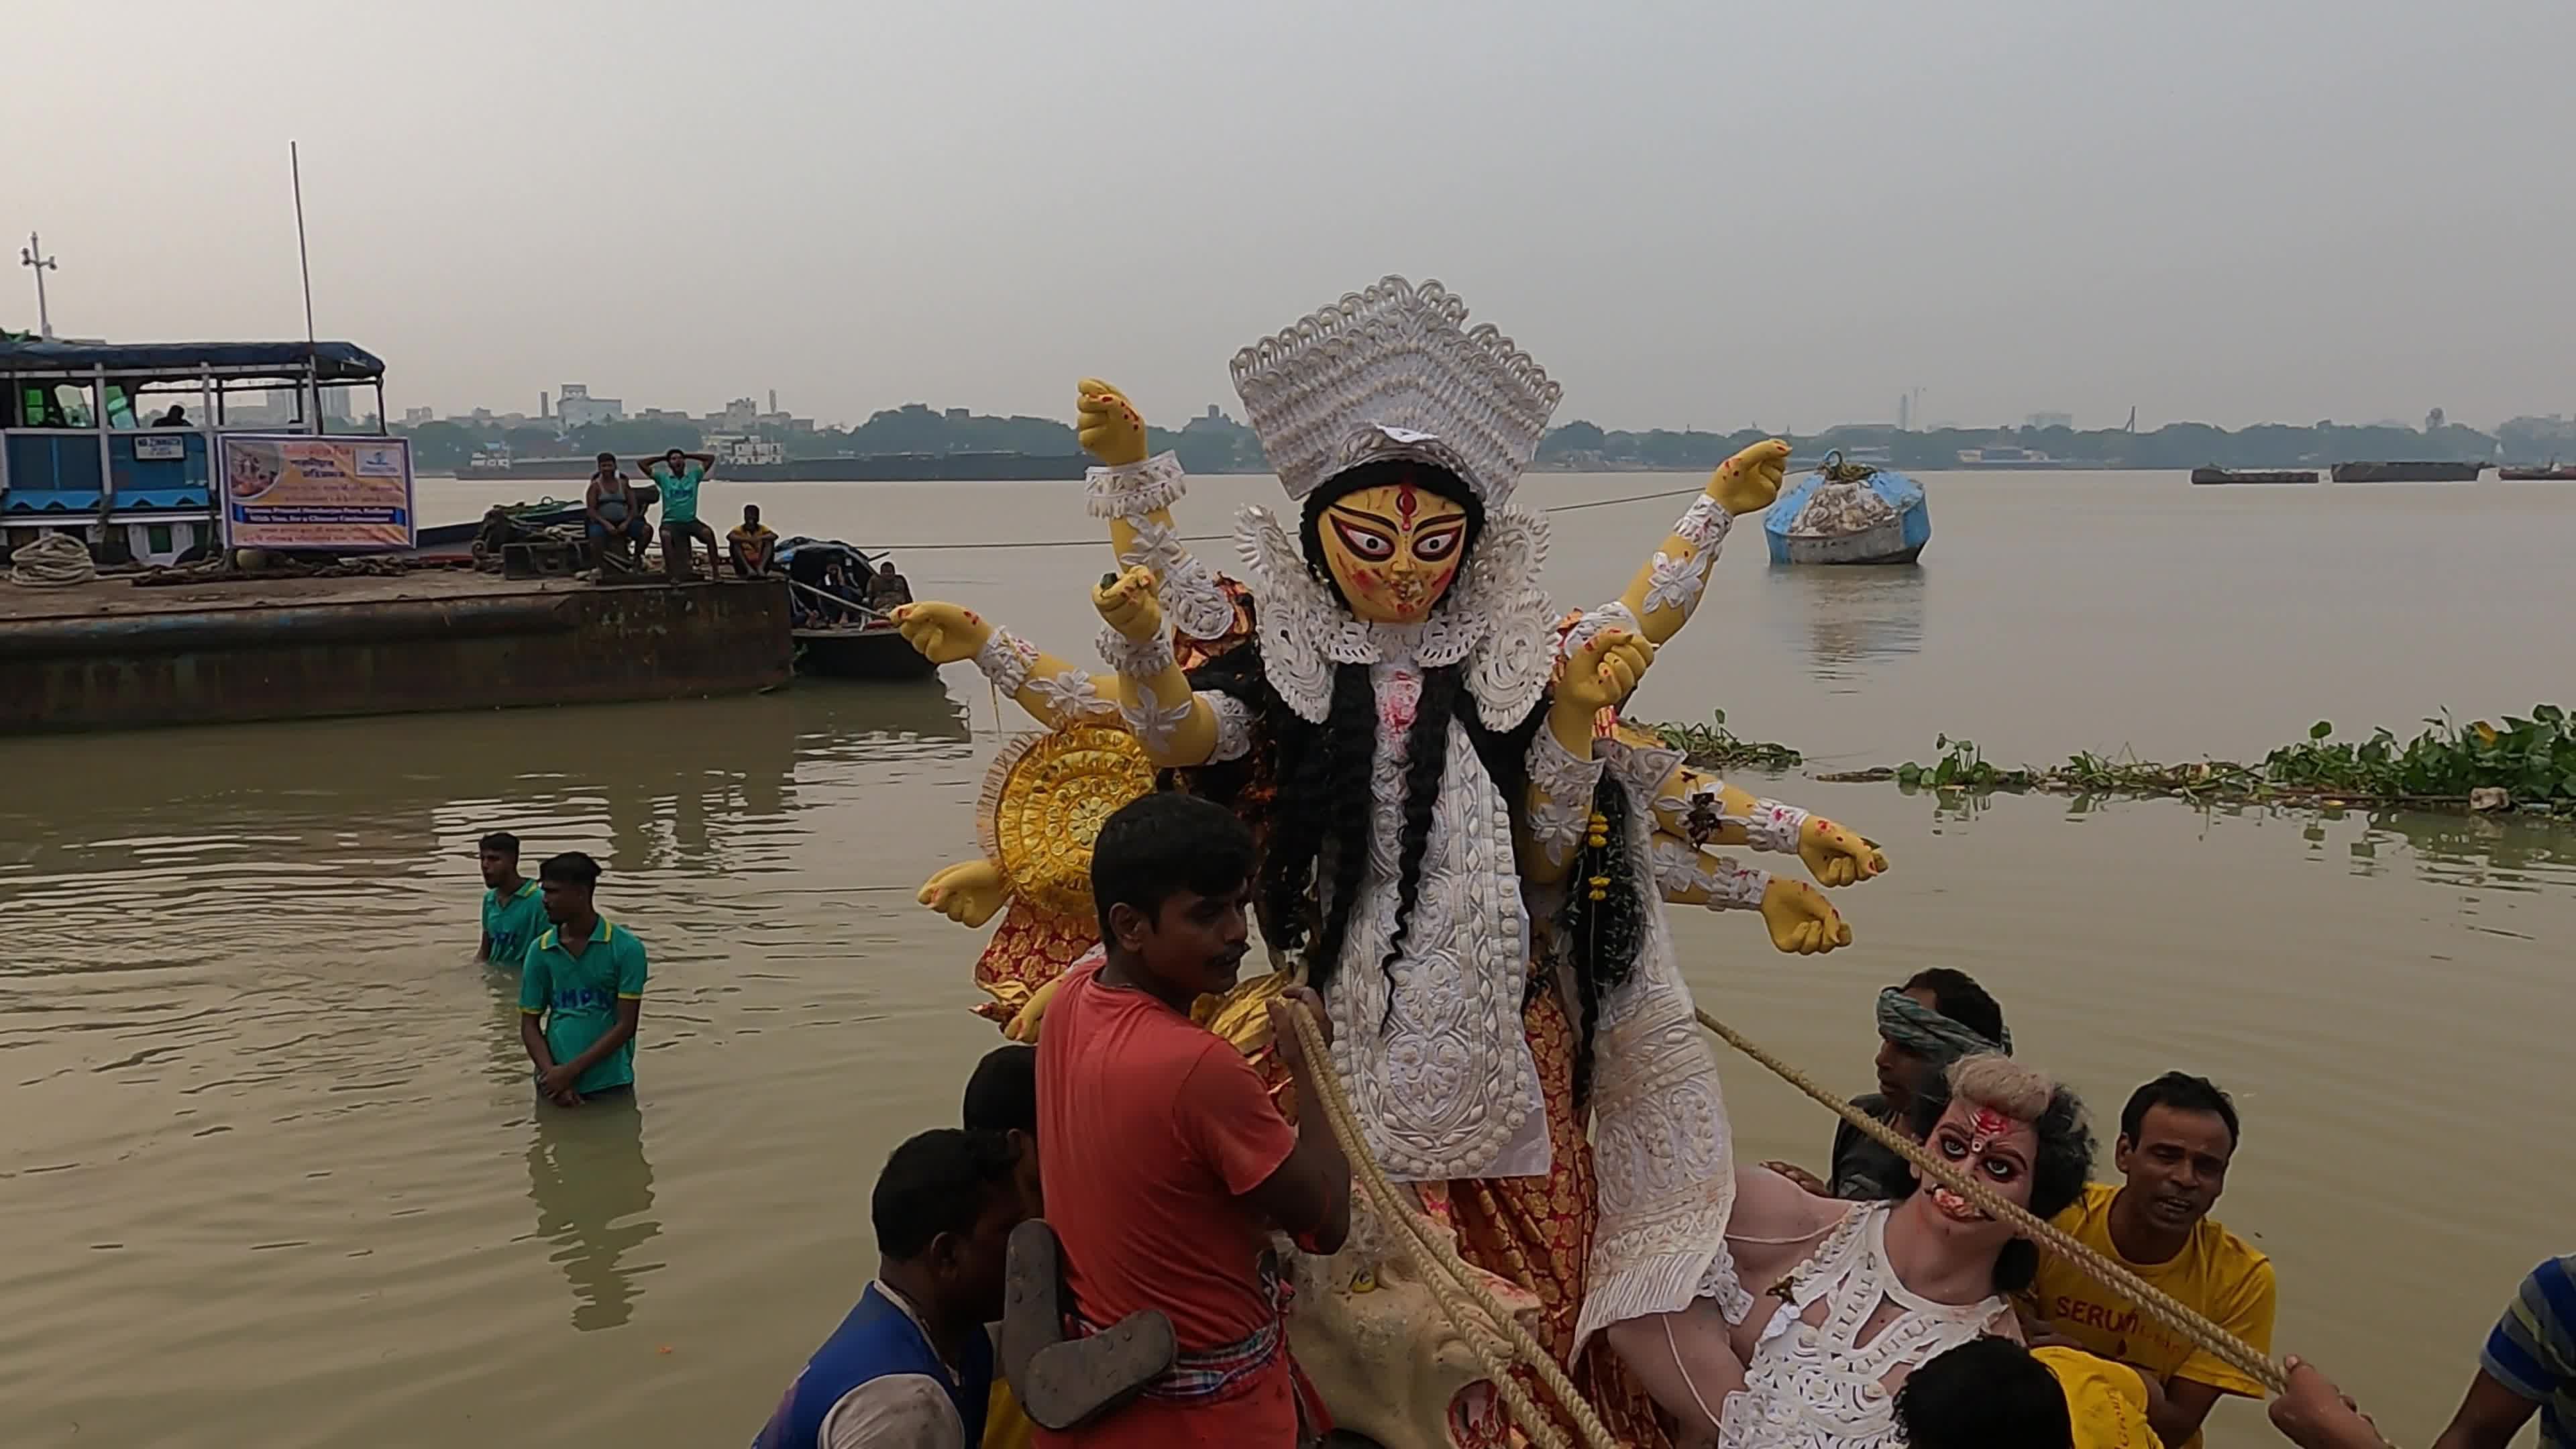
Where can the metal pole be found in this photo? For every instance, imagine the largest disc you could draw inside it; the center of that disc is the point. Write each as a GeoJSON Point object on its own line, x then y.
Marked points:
{"type": "Point", "coordinates": [304, 262]}
{"type": "Point", "coordinates": [33, 255]}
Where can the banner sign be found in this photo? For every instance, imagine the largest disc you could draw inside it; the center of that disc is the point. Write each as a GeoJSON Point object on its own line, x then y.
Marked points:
{"type": "Point", "coordinates": [350, 494]}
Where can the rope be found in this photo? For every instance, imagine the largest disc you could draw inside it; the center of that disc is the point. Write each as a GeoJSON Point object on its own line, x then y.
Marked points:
{"type": "Point", "coordinates": [1095, 541]}
{"type": "Point", "coordinates": [2154, 1301]}
{"type": "Point", "coordinates": [53, 561]}
{"type": "Point", "coordinates": [1431, 1251]}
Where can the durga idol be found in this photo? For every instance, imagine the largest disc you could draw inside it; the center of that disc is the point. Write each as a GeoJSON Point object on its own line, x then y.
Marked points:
{"type": "Point", "coordinates": [1464, 855]}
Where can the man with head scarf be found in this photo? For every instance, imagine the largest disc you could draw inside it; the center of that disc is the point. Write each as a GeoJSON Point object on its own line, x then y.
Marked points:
{"type": "Point", "coordinates": [1938, 1016]}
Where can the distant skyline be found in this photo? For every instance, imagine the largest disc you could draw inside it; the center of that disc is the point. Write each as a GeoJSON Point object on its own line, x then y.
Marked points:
{"type": "Point", "coordinates": [1707, 216]}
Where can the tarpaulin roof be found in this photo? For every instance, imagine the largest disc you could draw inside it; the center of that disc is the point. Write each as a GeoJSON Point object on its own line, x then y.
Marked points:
{"type": "Point", "coordinates": [334, 361]}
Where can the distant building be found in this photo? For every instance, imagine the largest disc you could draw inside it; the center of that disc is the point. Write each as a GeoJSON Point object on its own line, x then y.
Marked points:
{"type": "Point", "coordinates": [414, 417]}
{"type": "Point", "coordinates": [576, 408]}
{"type": "Point", "coordinates": [2052, 420]}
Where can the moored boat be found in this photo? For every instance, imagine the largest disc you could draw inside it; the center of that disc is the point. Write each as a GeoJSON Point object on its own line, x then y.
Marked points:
{"type": "Point", "coordinates": [836, 635]}
{"type": "Point", "coordinates": [2556, 472]}
{"type": "Point", "coordinates": [2253, 475]}
{"type": "Point", "coordinates": [1849, 513]}
{"type": "Point", "coordinates": [2408, 472]}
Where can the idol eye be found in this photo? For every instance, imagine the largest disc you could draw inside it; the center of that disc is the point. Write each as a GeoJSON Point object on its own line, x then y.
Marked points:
{"type": "Point", "coordinates": [1364, 1281]}
{"type": "Point", "coordinates": [1367, 543]}
{"type": "Point", "coordinates": [1953, 1149]}
{"type": "Point", "coordinates": [2000, 1170]}
{"type": "Point", "coordinates": [1433, 547]}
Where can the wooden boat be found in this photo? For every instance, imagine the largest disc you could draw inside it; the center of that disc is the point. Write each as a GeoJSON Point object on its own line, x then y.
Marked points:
{"type": "Point", "coordinates": [2556, 472]}
{"type": "Point", "coordinates": [1849, 513]}
{"type": "Point", "coordinates": [835, 636]}
{"type": "Point", "coordinates": [2253, 475]}
{"type": "Point", "coordinates": [874, 650]}
{"type": "Point", "coordinates": [2414, 472]}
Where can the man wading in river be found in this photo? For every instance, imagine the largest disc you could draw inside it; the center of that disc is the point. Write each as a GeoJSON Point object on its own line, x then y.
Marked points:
{"type": "Point", "coordinates": [1181, 1166]}
{"type": "Point", "coordinates": [514, 910]}
{"type": "Point", "coordinates": [581, 995]}
{"type": "Point", "coordinates": [1938, 1016]}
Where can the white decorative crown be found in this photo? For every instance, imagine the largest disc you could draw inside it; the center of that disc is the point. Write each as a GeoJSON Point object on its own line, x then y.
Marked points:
{"type": "Point", "coordinates": [1393, 372]}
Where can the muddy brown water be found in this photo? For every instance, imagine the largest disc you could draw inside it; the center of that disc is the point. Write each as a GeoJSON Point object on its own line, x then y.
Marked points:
{"type": "Point", "coordinates": [269, 1172]}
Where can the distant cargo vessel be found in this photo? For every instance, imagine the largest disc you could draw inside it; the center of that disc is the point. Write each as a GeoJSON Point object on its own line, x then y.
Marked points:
{"type": "Point", "coordinates": [2408, 472]}
{"type": "Point", "coordinates": [2556, 472]}
{"type": "Point", "coordinates": [2253, 475]}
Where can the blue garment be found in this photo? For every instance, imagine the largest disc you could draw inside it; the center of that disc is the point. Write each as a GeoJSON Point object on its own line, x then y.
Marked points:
{"type": "Point", "coordinates": [2533, 1349]}
{"type": "Point", "coordinates": [514, 923]}
{"type": "Point", "coordinates": [878, 1340]}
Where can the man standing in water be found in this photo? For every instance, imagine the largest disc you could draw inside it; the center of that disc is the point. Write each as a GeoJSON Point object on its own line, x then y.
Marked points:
{"type": "Point", "coordinates": [514, 910]}
{"type": "Point", "coordinates": [1184, 1165]}
{"type": "Point", "coordinates": [678, 474]}
{"type": "Point", "coordinates": [2177, 1136]}
{"type": "Point", "coordinates": [582, 993]}
{"type": "Point", "coordinates": [912, 1366]}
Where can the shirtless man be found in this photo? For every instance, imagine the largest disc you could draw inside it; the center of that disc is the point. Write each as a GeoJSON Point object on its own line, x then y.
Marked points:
{"type": "Point", "coordinates": [1804, 1332]}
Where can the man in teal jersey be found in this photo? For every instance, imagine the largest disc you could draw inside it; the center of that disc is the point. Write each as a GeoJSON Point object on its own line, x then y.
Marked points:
{"type": "Point", "coordinates": [581, 994]}
{"type": "Point", "coordinates": [514, 910]}
{"type": "Point", "coordinates": [678, 475]}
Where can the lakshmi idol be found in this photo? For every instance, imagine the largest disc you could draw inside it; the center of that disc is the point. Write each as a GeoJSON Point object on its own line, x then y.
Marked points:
{"type": "Point", "coordinates": [1465, 855]}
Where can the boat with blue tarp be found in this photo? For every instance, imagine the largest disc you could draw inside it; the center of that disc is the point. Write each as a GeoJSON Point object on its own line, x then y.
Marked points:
{"type": "Point", "coordinates": [1849, 513]}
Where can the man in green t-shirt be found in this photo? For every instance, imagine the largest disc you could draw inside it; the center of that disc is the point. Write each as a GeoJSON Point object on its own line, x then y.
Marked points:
{"type": "Point", "coordinates": [678, 475]}
{"type": "Point", "coordinates": [514, 910]}
{"type": "Point", "coordinates": [581, 994]}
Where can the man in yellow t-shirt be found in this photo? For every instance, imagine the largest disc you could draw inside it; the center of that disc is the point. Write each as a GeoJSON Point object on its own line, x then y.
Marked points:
{"type": "Point", "coordinates": [2177, 1136]}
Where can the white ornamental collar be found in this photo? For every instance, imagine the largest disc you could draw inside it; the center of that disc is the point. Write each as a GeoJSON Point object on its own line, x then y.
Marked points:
{"type": "Point", "coordinates": [1495, 620]}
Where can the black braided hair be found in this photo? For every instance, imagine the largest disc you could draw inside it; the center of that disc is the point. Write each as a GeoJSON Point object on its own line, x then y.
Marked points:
{"type": "Point", "coordinates": [1602, 926]}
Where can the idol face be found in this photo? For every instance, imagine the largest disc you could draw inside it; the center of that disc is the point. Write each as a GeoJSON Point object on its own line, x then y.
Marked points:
{"type": "Point", "coordinates": [1394, 549]}
{"type": "Point", "coordinates": [1993, 1149]}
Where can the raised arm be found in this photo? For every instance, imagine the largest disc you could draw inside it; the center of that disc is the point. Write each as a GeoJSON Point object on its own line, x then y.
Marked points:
{"type": "Point", "coordinates": [1135, 494]}
{"type": "Point", "coordinates": [1666, 590]}
{"type": "Point", "coordinates": [1176, 725]}
{"type": "Point", "coordinates": [1797, 915]}
{"type": "Point", "coordinates": [1055, 693]}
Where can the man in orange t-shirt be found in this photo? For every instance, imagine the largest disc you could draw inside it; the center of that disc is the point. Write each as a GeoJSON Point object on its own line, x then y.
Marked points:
{"type": "Point", "coordinates": [1168, 1166]}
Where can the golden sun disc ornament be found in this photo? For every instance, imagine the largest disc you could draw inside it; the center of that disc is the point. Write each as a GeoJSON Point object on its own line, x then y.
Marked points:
{"type": "Point", "coordinates": [1043, 803]}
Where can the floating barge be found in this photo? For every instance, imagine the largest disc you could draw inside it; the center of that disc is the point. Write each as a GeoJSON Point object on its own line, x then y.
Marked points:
{"type": "Point", "coordinates": [2253, 475]}
{"type": "Point", "coordinates": [110, 655]}
{"type": "Point", "coordinates": [2414, 472]}
{"type": "Point", "coordinates": [2556, 472]}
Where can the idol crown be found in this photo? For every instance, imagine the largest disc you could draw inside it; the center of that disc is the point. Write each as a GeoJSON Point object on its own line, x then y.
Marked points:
{"type": "Point", "coordinates": [1394, 372]}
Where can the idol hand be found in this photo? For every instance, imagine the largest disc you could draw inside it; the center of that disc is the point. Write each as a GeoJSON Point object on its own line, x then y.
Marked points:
{"type": "Point", "coordinates": [1108, 426]}
{"type": "Point", "coordinates": [1127, 604]}
{"type": "Point", "coordinates": [1024, 1026]}
{"type": "Point", "coordinates": [1835, 856]}
{"type": "Point", "coordinates": [1603, 673]}
{"type": "Point", "coordinates": [1801, 921]}
{"type": "Point", "coordinates": [968, 892]}
{"type": "Point", "coordinates": [944, 633]}
{"type": "Point", "coordinates": [1747, 482]}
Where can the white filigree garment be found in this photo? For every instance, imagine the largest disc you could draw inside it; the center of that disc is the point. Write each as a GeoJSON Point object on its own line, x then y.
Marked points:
{"type": "Point", "coordinates": [1828, 1362]}
{"type": "Point", "coordinates": [1431, 1045]}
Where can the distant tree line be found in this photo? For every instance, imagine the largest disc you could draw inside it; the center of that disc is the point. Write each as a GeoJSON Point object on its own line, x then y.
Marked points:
{"type": "Point", "coordinates": [1215, 443]}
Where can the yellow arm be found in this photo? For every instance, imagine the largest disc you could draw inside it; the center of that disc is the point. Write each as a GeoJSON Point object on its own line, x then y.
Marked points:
{"type": "Point", "coordinates": [1177, 726]}
{"type": "Point", "coordinates": [1799, 918]}
{"type": "Point", "coordinates": [1053, 691]}
{"type": "Point", "coordinates": [1135, 494]}
{"type": "Point", "coordinates": [1665, 592]}
{"type": "Point", "coordinates": [1703, 809]}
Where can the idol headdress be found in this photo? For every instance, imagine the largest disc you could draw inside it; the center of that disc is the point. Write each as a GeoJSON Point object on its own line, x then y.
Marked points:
{"type": "Point", "coordinates": [1394, 372]}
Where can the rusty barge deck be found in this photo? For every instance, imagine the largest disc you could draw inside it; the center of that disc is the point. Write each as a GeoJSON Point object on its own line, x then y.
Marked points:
{"type": "Point", "coordinates": [111, 655]}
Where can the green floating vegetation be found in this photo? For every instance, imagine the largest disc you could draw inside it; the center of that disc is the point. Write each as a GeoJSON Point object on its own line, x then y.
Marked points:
{"type": "Point", "coordinates": [1714, 745]}
{"type": "Point", "coordinates": [2523, 764]}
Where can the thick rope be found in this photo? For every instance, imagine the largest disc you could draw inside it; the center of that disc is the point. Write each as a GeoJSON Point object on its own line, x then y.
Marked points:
{"type": "Point", "coordinates": [1448, 1275]}
{"type": "Point", "coordinates": [2157, 1304]}
{"type": "Point", "coordinates": [53, 561]}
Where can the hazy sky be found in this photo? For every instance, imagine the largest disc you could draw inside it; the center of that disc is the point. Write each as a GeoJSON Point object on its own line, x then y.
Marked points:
{"type": "Point", "coordinates": [1710, 214]}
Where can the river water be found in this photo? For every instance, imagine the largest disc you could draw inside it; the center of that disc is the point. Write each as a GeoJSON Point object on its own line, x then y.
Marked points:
{"type": "Point", "coordinates": [271, 1175]}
